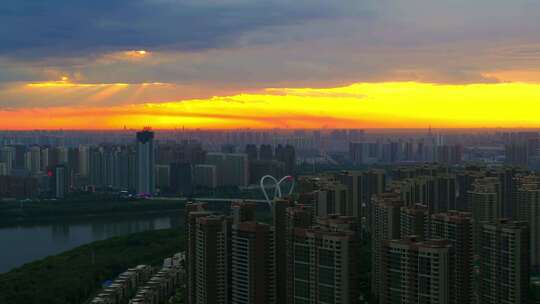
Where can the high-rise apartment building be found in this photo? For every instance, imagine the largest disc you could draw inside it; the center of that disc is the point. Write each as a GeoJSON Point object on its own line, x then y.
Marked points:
{"type": "Point", "coordinates": [212, 276]}
{"type": "Point", "coordinates": [252, 152]}
{"type": "Point", "coordinates": [84, 160]}
{"type": "Point", "coordinates": [3, 169]}
{"type": "Point", "coordinates": [374, 183]}
{"type": "Point", "coordinates": [266, 152]}
{"type": "Point", "coordinates": [358, 152]}
{"type": "Point", "coordinates": [332, 198]}
{"type": "Point", "coordinates": [45, 159]}
{"type": "Point", "coordinates": [7, 156]}
{"type": "Point", "coordinates": [504, 263]}
{"type": "Point", "coordinates": [279, 222]}
{"type": "Point", "coordinates": [60, 181]}
{"type": "Point", "coordinates": [193, 211]}
{"type": "Point", "coordinates": [517, 153]}
{"type": "Point", "coordinates": [63, 155]}
{"type": "Point", "coordinates": [485, 200]}
{"type": "Point", "coordinates": [509, 177]}
{"type": "Point", "coordinates": [95, 167]}
{"type": "Point", "coordinates": [385, 225]}
{"type": "Point", "coordinates": [205, 176]}
{"type": "Point", "coordinates": [444, 193]}
{"type": "Point", "coordinates": [33, 160]}
{"type": "Point", "coordinates": [337, 223]}
{"type": "Point", "coordinates": [232, 169]}
{"type": "Point", "coordinates": [253, 264]}
{"type": "Point", "coordinates": [416, 272]}
{"type": "Point", "coordinates": [414, 221]}
{"type": "Point", "coordinates": [163, 177]}
{"type": "Point", "coordinates": [296, 217]}
{"type": "Point", "coordinates": [287, 155]}
{"type": "Point", "coordinates": [456, 228]}
{"type": "Point", "coordinates": [125, 166]}
{"type": "Point", "coordinates": [324, 266]}
{"type": "Point", "coordinates": [354, 181]}
{"type": "Point", "coordinates": [465, 184]}
{"type": "Point", "coordinates": [182, 178]}
{"type": "Point", "coordinates": [243, 212]}
{"type": "Point", "coordinates": [260, 168]}
{"type": "Point", "coordinates": [146, 182]}
{"type": "Point", "coordinates": [528, 209]}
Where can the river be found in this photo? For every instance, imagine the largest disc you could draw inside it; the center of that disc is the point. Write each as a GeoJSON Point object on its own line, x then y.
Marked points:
{"type": "Point", "coordinates": [27, 243]}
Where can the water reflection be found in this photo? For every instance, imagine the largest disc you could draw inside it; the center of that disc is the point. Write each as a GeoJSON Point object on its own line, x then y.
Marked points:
{"type": "Point", "coordinates": [60, 233]}
{"type": "Point", "coordinates": [23, 244]}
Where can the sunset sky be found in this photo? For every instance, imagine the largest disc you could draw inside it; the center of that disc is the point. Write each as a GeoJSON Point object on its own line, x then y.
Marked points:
{"type": "Point", "coordinates": [101, 64]}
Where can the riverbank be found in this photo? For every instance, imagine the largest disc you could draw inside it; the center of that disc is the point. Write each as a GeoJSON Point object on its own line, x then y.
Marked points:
{"type": "Point", "coordinates": [75, 275]}
{"type": "Point", "coordinates": [20, 213]}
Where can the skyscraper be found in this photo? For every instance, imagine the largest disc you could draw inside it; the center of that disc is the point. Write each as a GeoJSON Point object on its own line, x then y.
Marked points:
{"type": "Point", "coordinates": [508, 181]}
{"type": "Point", "coordinates": [357, 152]}
{"type": "Point", "coordinates": [324, 266]}
{"type": "Point", "coordinates": [354, 181]}
{"type": "Point", "coordinates": [252, 152]}
{"type": "Point", "coordinates": [146, 183]}
{"type": "Point", "coordinates": [182, 178]}
{"type": "Point", "coordinates": [266, 152]}
{"type": "Point", "coordinates": [528, 209]}
{"type": "Point", "coordinates": [465, 183]}
{"type": "Point", "coordinates": [212, 250]}
{"type": "Point", "coordinates": [279, 218]}
{"type": "Point", "coordinates": [517, 153]}
{"type": "Point", "coordinates": [205, 176]}
{"type": "Point", "coordinates": [485, 200]}
{"type": "Point", "coordinates": [332, 198]}
{"type": "Point", "coordinates": [193, 211]}
{"type": "Point", "coordinates": [385, 225]}
{"type": "Point", "coordinates": [504, 263]}
{"type": "Point", "coordinates": [297, 217]}
{"type": "Point", "coordinates": [3, 169]}
{"type": "Point", "coordinates": [444, 193]}
{"type": "Point", "coordinates": [243, 212]}
{"type": "Point", "coordinates": [84, 160]}
{"type": "Point", "coordinates": [163, 177]}
{"type": "Point", "coordinates": [34, 160]}
{"type": "Point", "coordinates": [232, 169]}
{"type": "Point", "coordinates": [60, 181]}
{"type": "Point", "coordinates": [287, 155]}
{"type": "Point", "coordinates": [45, 158]}
{"type": "Point", "coordinates": [7, 156]}
{"type": "Point", "coordinates": [456, 228]}
{"type": "Point", "coordinates": [415, 272]}
{"type": "Point", "coordinates": [414, 221]}
{"type": "Point", "coordinates": [374, 182]}
{"type": "Point", "coordinates": [253, 264]}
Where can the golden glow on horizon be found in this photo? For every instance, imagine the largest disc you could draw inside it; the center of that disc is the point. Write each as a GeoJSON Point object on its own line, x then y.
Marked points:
{"type": "Point", "coordinates": [65, 83]}
{"type": "Point", "coordinates": [362, 105]}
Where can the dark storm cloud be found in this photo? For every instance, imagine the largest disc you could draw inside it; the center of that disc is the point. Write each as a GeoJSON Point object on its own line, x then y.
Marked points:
{"type": "Point", "coordinates": [57, 28]}
{"type": "Point", "coordinates": [206, 48]}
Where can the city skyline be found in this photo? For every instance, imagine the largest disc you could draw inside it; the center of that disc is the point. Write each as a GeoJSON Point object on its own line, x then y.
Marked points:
{"type": "Point", "coordinates": [270, 152]}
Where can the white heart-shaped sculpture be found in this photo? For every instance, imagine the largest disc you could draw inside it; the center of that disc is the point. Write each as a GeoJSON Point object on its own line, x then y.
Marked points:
{"type": "Point", "coordinates": [277, 192]}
